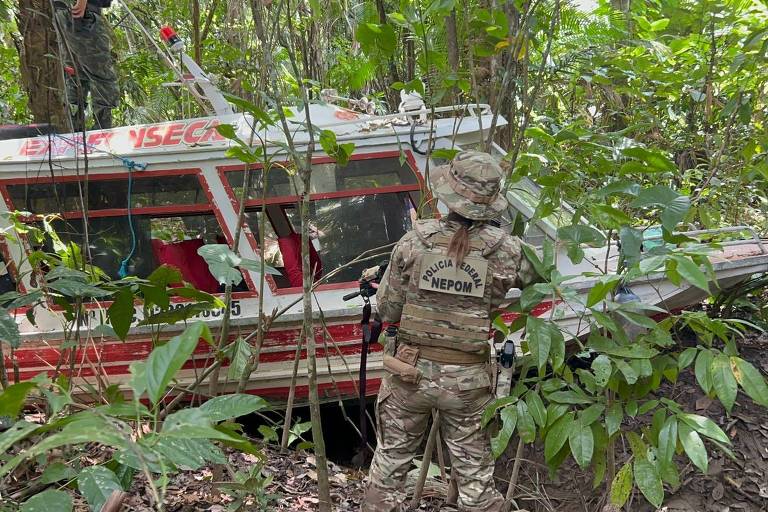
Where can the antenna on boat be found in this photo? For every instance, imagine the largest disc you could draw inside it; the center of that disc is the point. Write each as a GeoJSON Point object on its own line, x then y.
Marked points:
{"type": "Point", "coordinates": [214, 96]}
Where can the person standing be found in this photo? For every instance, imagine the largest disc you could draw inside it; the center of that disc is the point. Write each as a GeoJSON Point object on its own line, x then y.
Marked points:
{"type": "Point", "coordinates": [442, 282]}
{"type": "Point", "coordinates": [89, 65]}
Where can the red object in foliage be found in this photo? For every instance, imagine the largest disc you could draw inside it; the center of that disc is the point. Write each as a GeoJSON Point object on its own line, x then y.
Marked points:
{"type": "Point", "coordinates": [69, 70]}
{"type": "Point", "coordinates": [167, 33]}
{"type": "Point", "coordinates": [183, 255]}
{"type": "Point", "coordinates": [290, 247]}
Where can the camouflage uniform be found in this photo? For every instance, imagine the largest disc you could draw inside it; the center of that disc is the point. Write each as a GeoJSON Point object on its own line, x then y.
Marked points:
{"type": "Point", "coordinates": [88, 57]}
{"type": "Point", "coordinates": [448, 320]}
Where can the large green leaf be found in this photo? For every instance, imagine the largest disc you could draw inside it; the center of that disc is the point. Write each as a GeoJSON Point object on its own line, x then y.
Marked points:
{"type": "Point", "coordinates": [121, 311]}
{"type": "Point", "coordinates": [621, 487]}
{"type": "Point", "coordinates": [12, 399]}
{"type": "Point", "coordinates": [500, 441]}
{"type": "Point", "coordinates": [667, 440]}
{"type": "Point", "coordinates": [189, 454]}
{"type": "Point", "coordinates": [581, 442]}
{"type": "Point", "coordinates": [613, 418]}
{"type": "Point", "coordinates": [192, 423]}
{"type": "Point", "coordinates": [97, 484]}
{"type": "Point", "coordinates": [539, 340]}
{"type": "Point", "coordinates": [526, 426]}
{"type": "Point", "coordinates": [649, 482]}
{"type": "Point", "coordinates": [165, 361]}
{"type": "Point", "coordinates": [9, 329]}
{"type": "Point", "coordinates": [693, 446]}
{"type": "Point", "coordinates": [602, 369]}
{"type": "Point", "coordinates": [723, 381]}
{"type": "Point", "coordinates": [704, 426]}
{"type": "Point", "coordinates": [750, 379]}
{"type": "Point", "coordinates": [71, 288]}
{"type": "Point", "coordinates": [568, 397]}
{"type": "Point", "coordinates": [692, 273]}
{"type": "Point", "coordinates": [15, 433]}
{"type": "Point", "coordinates": [703, 370]}
{"type": "Point", "coordinates": [48, 501]}
{"type": "Point", "coordinates": [557, 435]}
{"type": "Point", "coordinates": [656, 160]}
{"type": "Point", "coordinates": [238, 361]}
{"type": "Point", "coordinates": [601, 288]}
{"type": "Point", "coordinates": [227, 407]}
{"type": "Point", "coordinates": [536, 408]}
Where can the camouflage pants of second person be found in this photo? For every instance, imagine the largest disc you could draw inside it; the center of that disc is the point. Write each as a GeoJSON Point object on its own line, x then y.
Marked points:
{"type": "Point", "coordinates": [461, 393]}
{"type": "Point", "coordinates": [88, 52]}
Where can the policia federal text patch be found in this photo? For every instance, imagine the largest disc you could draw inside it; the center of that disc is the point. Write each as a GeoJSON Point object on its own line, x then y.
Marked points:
{"type": "Point", "coordinates": [441, 274]}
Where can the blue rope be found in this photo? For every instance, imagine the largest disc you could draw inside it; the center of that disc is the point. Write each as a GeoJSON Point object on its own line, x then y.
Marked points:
{"type": "Point", "coordinates": [131, 165]}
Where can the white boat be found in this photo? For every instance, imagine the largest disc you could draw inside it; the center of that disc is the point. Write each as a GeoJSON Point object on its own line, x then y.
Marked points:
{"type": "Point", "coordinates": [184, 194]}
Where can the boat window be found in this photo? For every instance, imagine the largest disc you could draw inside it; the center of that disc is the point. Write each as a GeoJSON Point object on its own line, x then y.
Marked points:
{"type": "Point", "coordinates": [64, 197]}
{"type": "Point", "coordinates": [340, 230]}
{"type": "Point", "coordinates": [171, 219]}
{"type": "Point", "coordinates": [327, 178]}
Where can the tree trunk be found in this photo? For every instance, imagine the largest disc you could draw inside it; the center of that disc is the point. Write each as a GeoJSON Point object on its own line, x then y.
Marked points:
{"type": "Point", "coordinates": [196, 31]}
{"type": "Point", "coordinates": [41, 71]}
{"type": "Point", "coordinates": [452, 41]}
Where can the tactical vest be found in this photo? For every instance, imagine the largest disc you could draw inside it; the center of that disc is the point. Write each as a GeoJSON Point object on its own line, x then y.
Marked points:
{"type": "Point", "coordinates": [447, 306]}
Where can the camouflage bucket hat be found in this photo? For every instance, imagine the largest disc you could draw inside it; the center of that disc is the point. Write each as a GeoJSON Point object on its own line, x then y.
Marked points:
{"type": "Point", "coordinates": [470, 185]}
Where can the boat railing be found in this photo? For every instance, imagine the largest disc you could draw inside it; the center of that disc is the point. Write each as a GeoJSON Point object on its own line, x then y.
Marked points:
{"type": "Point", "coordinates": [720, 231]}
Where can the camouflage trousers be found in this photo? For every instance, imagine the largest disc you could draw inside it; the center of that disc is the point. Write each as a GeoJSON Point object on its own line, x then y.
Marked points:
{"type": "Point", "coordinates": [461, 393]}
{"type": "Point", "coordinates": [88, 53]}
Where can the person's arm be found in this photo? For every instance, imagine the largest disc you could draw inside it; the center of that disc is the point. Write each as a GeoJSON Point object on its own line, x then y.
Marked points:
{"type": "Point", "coordinates": [390, 296]}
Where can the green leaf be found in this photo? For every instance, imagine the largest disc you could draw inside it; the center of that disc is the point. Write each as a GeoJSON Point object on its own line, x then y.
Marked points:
{"type": "Point", "coordinates": [750, 379]}
{"type": "Point", "coordinates": [48, 501]}
{"type": "Point", "coordinates": [602, 369]}
{"type": "Point", "coordinates": [526, 427]}
{"type": "Point", "coordinates": [667, 440]}
{"type": "Point", "coordinates": [693, 446]}
{"type": "Point", "coordinates": [630, 375]}
{"type": "Point", "coordinates": [138, 380]}
{"type": "Point", "coordinates": [591, 414]}
{"type": "Point", "coordinates": [12, 399]}
{"type": "Point", "coordinates": [490, 411]}
{"type": "Point", "coordinates": [227, 407]}
{"type": "Point", "coordinates": [536, 408]}
{"type": "Point", "coordinates": [9, 329]}
{"type": "Point", "coordinates": [602, 288]}
{"type": "Point", "coordinates": [692, 273]}
{"type": "Point", "coordinates": [656, 160]}
{"type": "Point", "coordinates": [539, 341]}
{"type": "Point", "coordinates": [57, 472]}
{"type": "Point", "coordinates": [649, 482]}
{"type": "Point", "coordinates": [71, 288]}
{"type": "Point", "coordinates": [613, 418]}
{"type": "Point", "coordinates": [557, 435]}
{"type": "Point", "coordinates": [568, 397]}
{"type": "Point", "coordinates": [686, 358]}
{"type": "Point", "coordinates": [189, 454]}
{"type": "Point", "coordinates": [723, 381]}
{"type": "Point", "coordinates": [376, 40]}
{"type": "Point", "coordinates": [97, 484]}
{"type": "Point", "coordinates": [500, 441]}
{"type": "Point", "coordinates": [227, 131]}
{"type": "Point", "coordinates": [121, 311]}
{"type": "Point", "coordinates": [582, 443]}
{"type": "Point", "coordinates": [241, 354]}
{"type": "Point", "coordinates": [703, 370]}
{"type": "Point", "coordinates": [704, 426]}
{"type": "Point", "coordinates": [16, 433]}
{"type": "Point", "coordinates": [165, 361]}
{"type": "Point", "coordinates": [621, 487]}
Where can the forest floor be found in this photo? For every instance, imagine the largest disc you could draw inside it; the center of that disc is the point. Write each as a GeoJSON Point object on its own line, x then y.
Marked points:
{"type": "Point", "coordinates": [730, 485]}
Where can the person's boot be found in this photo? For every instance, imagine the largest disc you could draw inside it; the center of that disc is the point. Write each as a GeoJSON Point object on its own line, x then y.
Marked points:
{"type": "Point", "coordinates": [103, 118]}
